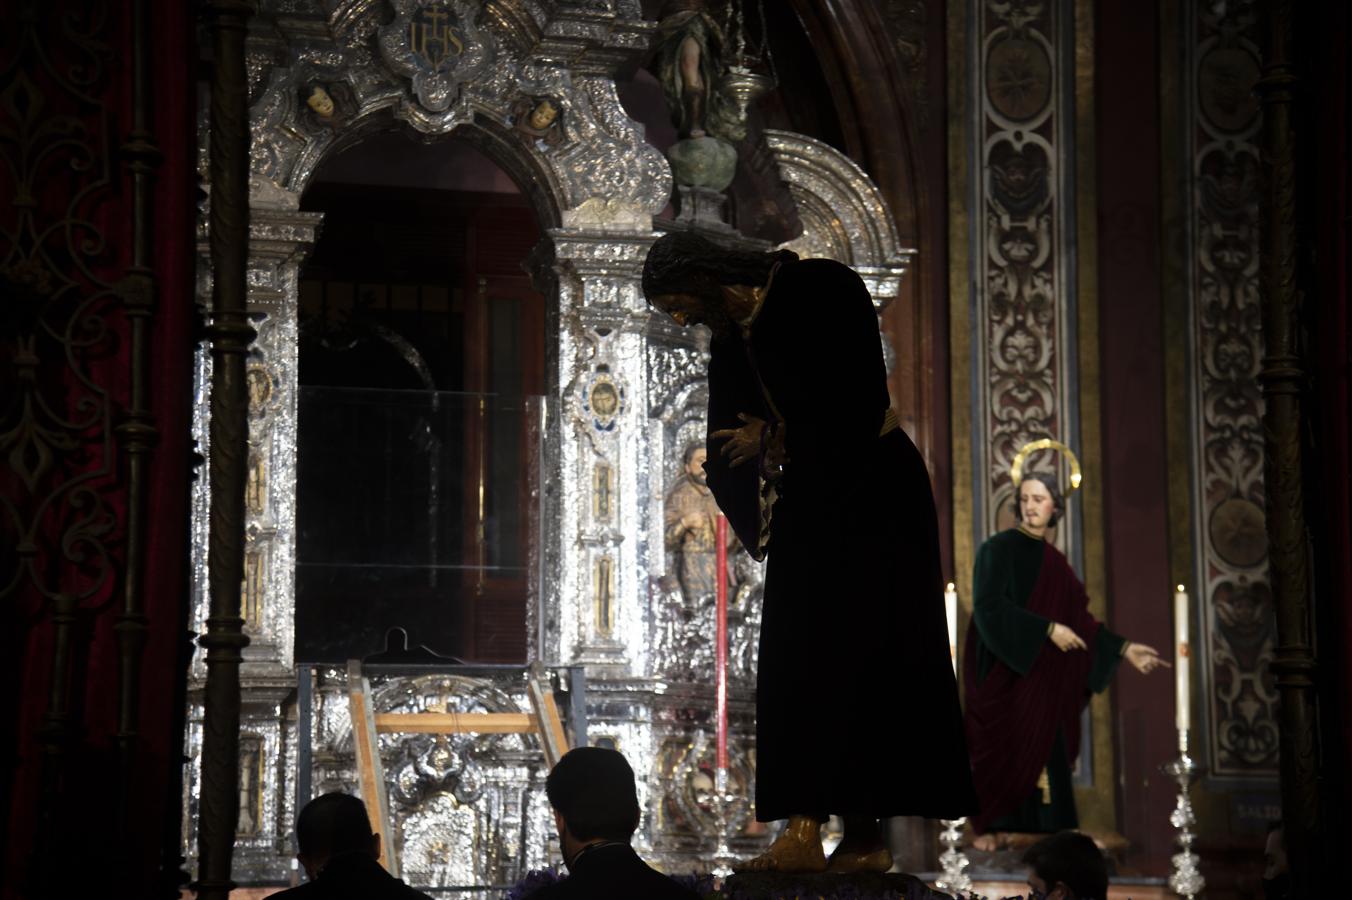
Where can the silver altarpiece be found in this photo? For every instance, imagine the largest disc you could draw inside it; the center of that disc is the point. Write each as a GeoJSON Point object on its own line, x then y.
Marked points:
{"type": "Point", "coordinates": [625, 397]}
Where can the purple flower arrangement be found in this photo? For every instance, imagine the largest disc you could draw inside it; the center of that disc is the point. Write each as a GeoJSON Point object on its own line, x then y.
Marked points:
{"type": "Point", "coordinates": [536, 879]}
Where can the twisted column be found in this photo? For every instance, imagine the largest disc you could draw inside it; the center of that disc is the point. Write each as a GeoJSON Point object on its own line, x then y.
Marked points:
{"type": "Point", "coordinates": [136, 432]}
{"type": "Point", "coordinates": [230, 335]}
{"type": "Point", "coordinates": [1282, 380]}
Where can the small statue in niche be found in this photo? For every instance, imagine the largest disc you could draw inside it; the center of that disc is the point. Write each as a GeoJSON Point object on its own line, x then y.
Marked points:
{"type": "Point", "coordinates": [691, 530]}
{"type": "Point", "coordinates": [690, 68]}
{"type": "Point", "coordinates": [327, 105]}
{"type": "Point", "coordinates": [538, 118]}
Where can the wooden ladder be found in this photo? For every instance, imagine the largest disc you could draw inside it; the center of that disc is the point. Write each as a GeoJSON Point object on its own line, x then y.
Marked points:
{"type": "Point", "coordinates": [543, 721]}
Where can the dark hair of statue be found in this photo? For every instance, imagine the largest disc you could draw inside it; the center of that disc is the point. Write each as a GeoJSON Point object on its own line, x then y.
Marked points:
{"type": "Point", "coordinates": [593, 789]}
{"type": "Point", "coordinates": [332, 824]}
{"type": "Point", "coordinates": [1072, 859]}
{"type": "Point", "coordinates": [1053, 487]}
{"type": "Point", "coordinates": [681, 262]}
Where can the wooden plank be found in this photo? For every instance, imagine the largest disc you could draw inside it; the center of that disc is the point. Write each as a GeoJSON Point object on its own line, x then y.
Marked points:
{"type": "Point", "coordinates": [456, 723]}
{"type": "Point", "coordinates": [554, 724]}
{"type": "Point", "coordinates": [370, 772]}
{"type": "Point", "coordinates": [553, 739]}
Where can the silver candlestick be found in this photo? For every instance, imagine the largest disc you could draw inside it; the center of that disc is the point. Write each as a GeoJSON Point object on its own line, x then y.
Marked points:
{"type": "Point", "coordinates": [1186, 879]}
{"type": "Point", "coordinates": [724, 804]}
{"type": "Point", "coordinates": [953, 860]}
{"type": "Point", "coordinates": [724, 800]}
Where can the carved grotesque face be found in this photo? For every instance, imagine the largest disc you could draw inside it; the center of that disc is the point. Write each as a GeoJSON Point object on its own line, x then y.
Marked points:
{"type": "Point", "coordinates": [543, 115]}
{"type": "Point", "coordinates": [320, 101]}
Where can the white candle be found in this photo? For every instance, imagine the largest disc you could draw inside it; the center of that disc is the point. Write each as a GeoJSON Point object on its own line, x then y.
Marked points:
{"type": "Point", "coordinates": [951, 612]}
{"type": "Point", "coordinates": [1182, 654]}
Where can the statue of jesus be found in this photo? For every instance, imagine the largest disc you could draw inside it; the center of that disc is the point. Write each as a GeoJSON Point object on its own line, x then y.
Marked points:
{"type": "Point", "coordinates": [856, 705]}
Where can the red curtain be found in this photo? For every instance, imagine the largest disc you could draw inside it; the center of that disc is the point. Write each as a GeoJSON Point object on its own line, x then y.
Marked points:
{"type": "Point", "coordinates": [66, 227]}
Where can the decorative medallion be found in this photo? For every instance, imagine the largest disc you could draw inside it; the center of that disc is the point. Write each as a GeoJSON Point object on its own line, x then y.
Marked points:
{"type": "Point", "coordinates": [604, 400]}
{"type": "Point", "coordinates": [1238, 532]}
{"type": "Point", "coordinates": [1226, 78]}
{"type": "Point", "coordinates": [1019, 78]}
{"type": "Point", "coordinates": [438, 45]}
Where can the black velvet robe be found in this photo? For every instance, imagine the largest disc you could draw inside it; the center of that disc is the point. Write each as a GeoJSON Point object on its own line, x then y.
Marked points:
{"type": "Point", "coordinates": [856, 708]}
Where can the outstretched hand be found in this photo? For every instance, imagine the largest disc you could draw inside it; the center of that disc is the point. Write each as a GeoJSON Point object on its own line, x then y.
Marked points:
{"type": "Point", "coordinates": [1065, 639]}
{"type": "Point", "coordinates": [1145, 658]}
{"type": "Point", "coordinates": [743, 443]}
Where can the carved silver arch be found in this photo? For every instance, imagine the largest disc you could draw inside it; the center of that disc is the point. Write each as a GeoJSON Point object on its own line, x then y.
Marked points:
{"type": "Point", "coordinates": [520, 49]}
{"type": "Point", "coordinates": [595, 185]}
{"type": "Point", "coordinates": [843, 213]}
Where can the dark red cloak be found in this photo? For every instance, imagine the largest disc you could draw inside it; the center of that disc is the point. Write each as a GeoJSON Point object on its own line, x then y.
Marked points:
{"type": "Point", "coordinates": [1012, 718]}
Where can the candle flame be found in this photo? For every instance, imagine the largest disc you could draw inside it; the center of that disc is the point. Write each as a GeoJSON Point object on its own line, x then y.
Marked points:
{"type": "Point", "coordinates": [1180, 588]}
{"type": "Point", "coordinates": [951, 586]}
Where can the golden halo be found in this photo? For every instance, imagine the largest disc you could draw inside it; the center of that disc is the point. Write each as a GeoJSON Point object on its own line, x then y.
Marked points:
{"type": "Point", "coordinates": [1016, 468]}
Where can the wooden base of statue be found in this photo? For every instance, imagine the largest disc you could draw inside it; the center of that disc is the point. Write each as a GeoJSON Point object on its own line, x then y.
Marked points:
{"type": "Point", "coordinates": [1006, 861]}
{"type": "Point", "coordinates": [752, 885]}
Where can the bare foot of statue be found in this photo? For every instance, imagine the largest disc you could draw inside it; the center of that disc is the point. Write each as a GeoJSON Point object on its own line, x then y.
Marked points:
{"type": "Point", "coordinates": [797, 850]}
{"type": "Point", "coordinates": [861, 850]}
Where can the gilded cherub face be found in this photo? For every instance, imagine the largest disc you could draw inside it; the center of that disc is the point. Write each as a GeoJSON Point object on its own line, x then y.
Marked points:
{"type": "Point", "coordinates": [320, 101]}
{"type": "Point", "coordinates": [543, 115]}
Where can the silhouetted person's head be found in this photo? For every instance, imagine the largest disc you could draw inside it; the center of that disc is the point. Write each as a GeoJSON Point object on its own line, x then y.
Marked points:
{"type": "Point", "coordinates": [1067, 866]}
{"type": "Point", "coordinates": [331, 825]}
{"type": "Point", "coordinates": [592, 792]}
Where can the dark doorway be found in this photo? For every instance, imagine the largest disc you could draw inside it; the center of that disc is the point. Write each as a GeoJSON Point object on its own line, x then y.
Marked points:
{"type": "Point", "coordinates": [421, 371]}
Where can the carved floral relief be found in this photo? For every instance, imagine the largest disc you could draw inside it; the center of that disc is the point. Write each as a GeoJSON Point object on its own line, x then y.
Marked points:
{"type": "Point", "coordinates": [1238, 626]}
{"type": "Point", "coordinates": [1021, 288]}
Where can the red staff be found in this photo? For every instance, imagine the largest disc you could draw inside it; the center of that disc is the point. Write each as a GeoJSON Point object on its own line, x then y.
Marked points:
{"type": "Point", "coordinates": [721, 641]}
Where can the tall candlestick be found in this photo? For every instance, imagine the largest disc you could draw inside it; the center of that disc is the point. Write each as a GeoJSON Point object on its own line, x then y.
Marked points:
{"type": "Point", "coordinates": [1182, 695]}
{"type": "Point", "coordinates": [721, 641]}
{"type": "Point", "coordinates": [951, 613]}
{"type": "Point", "coordinates": [954, 876]}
